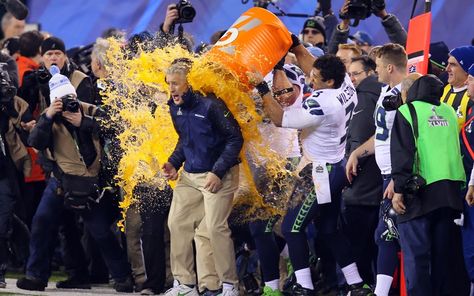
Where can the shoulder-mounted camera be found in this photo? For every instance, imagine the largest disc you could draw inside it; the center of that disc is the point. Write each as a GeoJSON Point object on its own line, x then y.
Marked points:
{"type": "Point", "coordinates": [7, 90]}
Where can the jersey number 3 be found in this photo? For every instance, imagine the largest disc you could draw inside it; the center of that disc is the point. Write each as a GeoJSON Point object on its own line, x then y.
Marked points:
{"type": "Point", "coordinates": [381, 123]}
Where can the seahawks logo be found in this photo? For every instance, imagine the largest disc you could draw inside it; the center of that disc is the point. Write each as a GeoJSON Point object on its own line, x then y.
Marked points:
{"type": "Point", "coordinates": [313, 106]}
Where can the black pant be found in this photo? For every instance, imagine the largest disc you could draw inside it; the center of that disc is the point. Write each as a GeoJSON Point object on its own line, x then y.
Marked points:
{"type": "Point", "coordinates": [153, 246]}
{"type": "Point", "coordinates": [74, 257]}
{"type": "Point", "coordinates": [359, 226]}
{"type": "Point", "coordinates": [431, 248]}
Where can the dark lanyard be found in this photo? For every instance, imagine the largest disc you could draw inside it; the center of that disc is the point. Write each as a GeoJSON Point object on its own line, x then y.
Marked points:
{"type": "Point", "coordinates": [464, 137]}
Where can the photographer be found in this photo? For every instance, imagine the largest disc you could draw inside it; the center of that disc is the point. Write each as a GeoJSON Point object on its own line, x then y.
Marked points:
{"type": "Point", "coordinates": [15, 121]}
{"type": "Point", "coordinates": [180, 13]}
{"type": "Point", "coordinates": [30, 56]}
{"type": "Point", "coordinates": [392, 26]}
{"type": "Point", "coordinates": [68, 132]}
{"type": "Point", "coordinates": [428, 173]}
{"type": "Point", "coordinates": [35, 88]}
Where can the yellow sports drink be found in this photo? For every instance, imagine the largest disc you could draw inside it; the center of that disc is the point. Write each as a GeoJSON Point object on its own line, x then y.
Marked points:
{"type": "Point", "coordinates": [256, 41]}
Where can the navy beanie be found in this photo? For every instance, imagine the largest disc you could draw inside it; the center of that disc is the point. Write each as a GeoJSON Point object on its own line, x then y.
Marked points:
{"type": "Point", "coordinates": [471, 70]}
{"type": "Point", "coordinates": [464, 55]}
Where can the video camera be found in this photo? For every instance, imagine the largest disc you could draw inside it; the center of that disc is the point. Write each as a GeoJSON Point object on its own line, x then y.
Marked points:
{"type": "Point", "coordinates": [362, 9]}
{"type": "Point", "coordinates": [42, 75]}
{"type": "Point", "coordinates": [186, 12]}
{"type": "Point", "coordinates": [7, 90]}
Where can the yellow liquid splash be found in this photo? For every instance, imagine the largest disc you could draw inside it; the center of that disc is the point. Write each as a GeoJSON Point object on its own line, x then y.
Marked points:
{"type": "Point", "coordinates": [148, 139]}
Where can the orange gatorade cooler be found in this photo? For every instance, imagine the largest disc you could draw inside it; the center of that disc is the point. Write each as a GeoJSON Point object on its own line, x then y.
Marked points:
{"type": "Point", "coordinates": [256, 41]}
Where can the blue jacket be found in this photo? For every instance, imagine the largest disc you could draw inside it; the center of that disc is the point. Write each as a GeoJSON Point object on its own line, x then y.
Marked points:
{"type": "Point", "coordinates": [210, 138]}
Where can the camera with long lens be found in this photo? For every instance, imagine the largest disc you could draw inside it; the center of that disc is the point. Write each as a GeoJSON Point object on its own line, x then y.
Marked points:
{"type": "Point", "coordinates": [70, 103]}
{"type": "Point", "coordinates": [186, 12]}
{"type": "Point", "coordinates": [43, 75]}
{"type": "Point", "coordinates": [362, 9]}
{"type": "Point", "coordinates": [7, 90]}
{"type": "Point", "coordinates": [393, 102]}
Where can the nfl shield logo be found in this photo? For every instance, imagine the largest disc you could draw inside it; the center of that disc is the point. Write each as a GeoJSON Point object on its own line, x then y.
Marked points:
{"type": "Point", "coordinates": [412, 69]}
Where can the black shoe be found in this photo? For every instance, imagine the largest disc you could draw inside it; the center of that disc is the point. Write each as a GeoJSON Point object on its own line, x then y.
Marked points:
{"type": "Point", "coordinates": [289, 283]}
{"type": "Point", "coordinates": [3, 283]}
{"type": "Point", "coordinates": [138, 288]}
{"type": "Point", "coordinates": [124, 286]}
{"type": "Point", "coordinates": [99, 281]}
{"type": "Point", "coordinates": [323, 287]}
{"type": "Point", "coordinates": [211, 293]}
{"type": "Point", "coordinates": [30, 284]}
{"type": "Point", "coordinates": [73, 283]}
{"type": "Point", "coordinates": [297, 290]}
{"type": "Point", "coordinates": [360, 290]}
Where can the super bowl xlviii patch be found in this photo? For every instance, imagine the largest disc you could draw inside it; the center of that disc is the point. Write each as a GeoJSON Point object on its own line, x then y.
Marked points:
{"type": "Point", "coordinates": [436, 120]}
{"type": "Point", "coordinates": [319, 169]}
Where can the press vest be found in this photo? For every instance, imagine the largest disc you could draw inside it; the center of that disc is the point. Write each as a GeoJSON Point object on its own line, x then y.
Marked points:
{"type": "Point", "coordinates": [66, 152]}
{"type": "Point", "coordinates": [438, 142]}
{"type": "Point", "coordinates": [16, 148]}
{"type": "Point", "coordinates": [37, 173]}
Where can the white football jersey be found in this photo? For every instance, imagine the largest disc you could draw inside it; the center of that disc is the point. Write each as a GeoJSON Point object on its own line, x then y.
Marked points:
{"type": "Point", "coordinates": [323, 118]}
{"type": "Point", "coordinates": [384, 123]}
{"type": "Point", "coordinates": [285, 140]}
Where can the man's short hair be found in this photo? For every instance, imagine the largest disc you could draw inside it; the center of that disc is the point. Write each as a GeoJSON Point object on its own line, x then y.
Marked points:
{"type": "Point", "coordinates": [367, 63]}
{"type": "Point", "coordinates": [100, 49]}
{"type": "Point", "coordinates": [331, 67]}
{"type": "Point", "coordinates": [408, 81]}
{"type": "Point", "coordinates": [180, 66]}
{"type": "Point", "coordinates": [30, 43]}
{"type": "Point", "coordinates": [352, 47]}
{"type": "Point", "coordinates": [395, 54]}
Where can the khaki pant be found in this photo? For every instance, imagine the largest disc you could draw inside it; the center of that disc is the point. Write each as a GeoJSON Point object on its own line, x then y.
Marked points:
{"type": "Point", "coordinates": [133, 226]}
{"type": "Point", "coordinates": [197, 214]}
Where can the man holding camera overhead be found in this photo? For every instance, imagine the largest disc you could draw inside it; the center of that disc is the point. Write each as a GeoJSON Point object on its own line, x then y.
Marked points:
{"type": "Point", "coordinates": [68, 133]}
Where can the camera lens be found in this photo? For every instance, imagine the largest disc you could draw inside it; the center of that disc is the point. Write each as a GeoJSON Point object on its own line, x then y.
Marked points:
{"type": "Point", "coordinates": [188, 12]}
{"type": "Point", "coordinates": [391, 103]}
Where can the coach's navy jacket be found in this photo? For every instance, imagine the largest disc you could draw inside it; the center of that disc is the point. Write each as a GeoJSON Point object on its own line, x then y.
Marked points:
{"type": "Point", "coordinates": [210, 138]}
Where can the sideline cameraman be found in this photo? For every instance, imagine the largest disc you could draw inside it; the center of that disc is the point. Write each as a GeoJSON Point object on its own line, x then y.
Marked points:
{"type": "Point", "coordinates": [428, 173]}
{"type": "Point", "coordinates": [14, 160]}
{"type": "Point", "coordinates": [68, 131]}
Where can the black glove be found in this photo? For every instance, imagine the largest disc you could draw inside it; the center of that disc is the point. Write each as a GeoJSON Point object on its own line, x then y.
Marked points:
{"type": "Point", "coordinates": [296, 41]}
{"type": "Point", "coordinates": [378, 5]}
{"type": "Point", "coordinates": [279, 65]}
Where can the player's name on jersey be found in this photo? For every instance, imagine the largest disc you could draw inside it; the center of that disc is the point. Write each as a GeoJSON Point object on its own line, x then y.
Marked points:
{"type": "Point", "coordinates": [346, 94]}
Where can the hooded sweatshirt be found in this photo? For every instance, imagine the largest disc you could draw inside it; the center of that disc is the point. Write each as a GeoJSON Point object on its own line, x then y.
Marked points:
{"type": "Point", "coordinates": [440, 194]}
